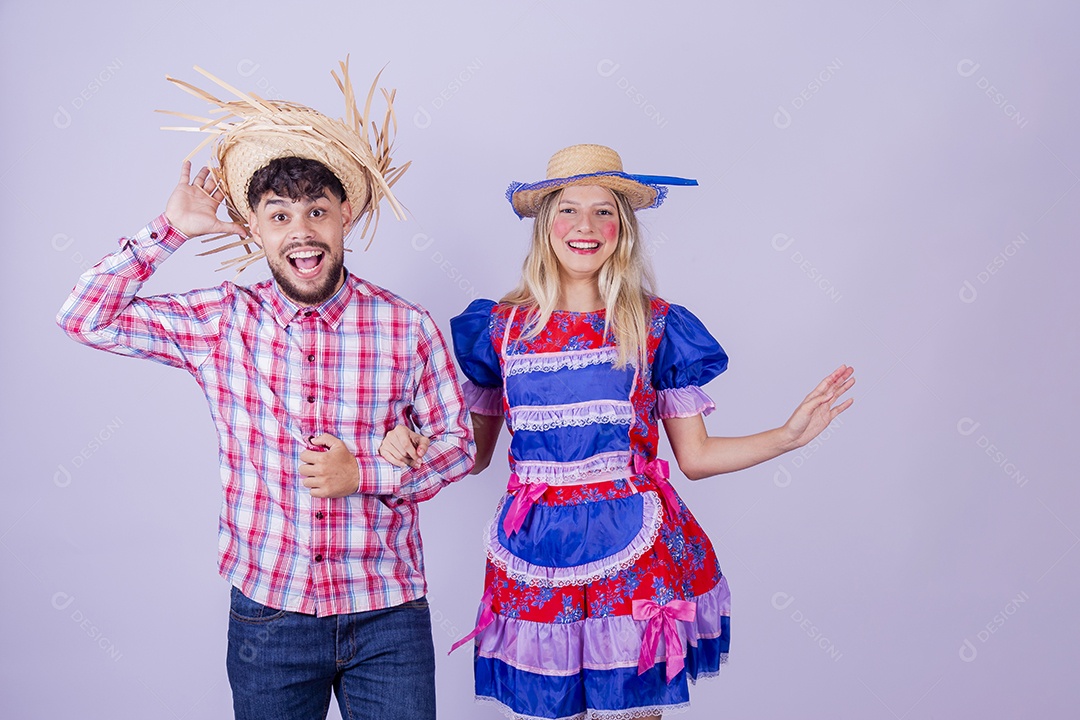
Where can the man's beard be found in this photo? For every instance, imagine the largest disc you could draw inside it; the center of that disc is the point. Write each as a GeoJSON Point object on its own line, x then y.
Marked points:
{"type": "Point", "coordinates": [310, 295]}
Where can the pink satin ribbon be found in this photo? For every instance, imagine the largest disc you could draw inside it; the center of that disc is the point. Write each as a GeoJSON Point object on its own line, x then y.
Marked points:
{"type": "Point", "coordinates": [486, 618]}
{"type": "Point", "coordinates": [658, 471]}
{"type": "Point", "coordinates": [663, 618]}
{"type": "Point", "coordinates": [524, 497]}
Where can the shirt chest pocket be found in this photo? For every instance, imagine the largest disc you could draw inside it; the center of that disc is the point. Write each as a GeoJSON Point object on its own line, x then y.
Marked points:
{"type": "Point", "coordinates": [374, 394]}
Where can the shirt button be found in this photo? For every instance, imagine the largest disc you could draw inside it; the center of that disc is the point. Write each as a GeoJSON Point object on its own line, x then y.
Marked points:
{"type": "Point", "coordinates": [309, 313]}
{"type": "Point", "coordinates": [153, 236]}
{"type": "Point", "coordinates": [319, 515]}
{"type": "Point", "coordinates": [311, 398]}
{"type": "Point", "coordinates": [318, 557]}
{"type": "Point", "coordinates": [311, 358]}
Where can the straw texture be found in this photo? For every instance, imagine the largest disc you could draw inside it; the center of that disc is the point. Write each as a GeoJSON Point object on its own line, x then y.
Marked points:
{"type": "Point", "coordinates": [582, 165]}
{"type": "Point", "coordinates": [249, 132]}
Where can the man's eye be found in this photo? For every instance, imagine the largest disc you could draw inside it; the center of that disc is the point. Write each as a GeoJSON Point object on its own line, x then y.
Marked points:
{"type": "Point", "coordinates": [317, 212]}
{"type": "Point", "coordinates": [280, 217]}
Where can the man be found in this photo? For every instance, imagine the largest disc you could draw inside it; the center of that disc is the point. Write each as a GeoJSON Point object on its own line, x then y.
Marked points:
{"type": "Point", "coordinates": [336, 405]}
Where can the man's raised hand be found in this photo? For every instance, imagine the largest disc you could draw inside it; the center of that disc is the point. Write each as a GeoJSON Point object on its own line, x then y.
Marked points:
{"type": "Point", "coordinates": [192, 207]}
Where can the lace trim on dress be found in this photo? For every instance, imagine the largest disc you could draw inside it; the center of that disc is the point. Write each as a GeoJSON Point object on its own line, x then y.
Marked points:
{"type": "Point", "coordinates": [550, 362]}
{"type": "Point", "coordinates": [606, 466]}
{"type": "Point", "coordinates": [508, 712]}
{"type": "Point", "coordinates": [524, 571]}
{"type": "Point", "coordinates": [592, 412]}
{"type": "Point", "coordinates": [639, 712]}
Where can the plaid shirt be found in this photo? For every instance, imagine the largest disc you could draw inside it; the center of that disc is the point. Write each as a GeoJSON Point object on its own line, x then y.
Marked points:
{"type": "Point", "coordinates": [274, 374]}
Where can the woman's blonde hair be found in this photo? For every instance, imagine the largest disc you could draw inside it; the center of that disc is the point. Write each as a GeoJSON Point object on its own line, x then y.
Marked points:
{"type": "Point", "coordinates": [625, 280]}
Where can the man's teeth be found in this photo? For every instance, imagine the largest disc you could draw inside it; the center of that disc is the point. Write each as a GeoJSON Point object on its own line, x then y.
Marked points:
{"type": "Point", "coordinates": [306, 262]}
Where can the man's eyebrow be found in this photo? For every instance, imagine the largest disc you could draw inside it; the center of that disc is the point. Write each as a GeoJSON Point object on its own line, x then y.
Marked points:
{"type": "Point", "coordinates": [278, 200]}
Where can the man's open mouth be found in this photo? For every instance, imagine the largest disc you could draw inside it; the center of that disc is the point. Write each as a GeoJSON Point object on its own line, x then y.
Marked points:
{"type": "Point", "coordinates": [306, 262]}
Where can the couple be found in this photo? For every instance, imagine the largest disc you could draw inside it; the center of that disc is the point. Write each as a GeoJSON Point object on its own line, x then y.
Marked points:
{"type": "Point", "coordinates": [338, 411]}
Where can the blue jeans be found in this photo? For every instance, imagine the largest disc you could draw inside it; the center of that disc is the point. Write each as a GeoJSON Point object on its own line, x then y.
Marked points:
{"type": "Point", "coordinates": [380, 664]}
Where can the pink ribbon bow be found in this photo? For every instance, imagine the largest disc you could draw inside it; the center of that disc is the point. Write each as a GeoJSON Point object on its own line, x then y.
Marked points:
{"type": "Point", "coordinates": [658, 471]}
{"type": "Point", "coordinates": [662, 618]}
{"type": "Point", "coordinates": [526, 495]}
{"type": "Point", "coordinates": [486, 618]}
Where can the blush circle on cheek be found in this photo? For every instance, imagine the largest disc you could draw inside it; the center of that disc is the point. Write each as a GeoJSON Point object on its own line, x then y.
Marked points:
{"type": "Point", "coordinates": [609, 230]}
{"type": "Point", "coordinates": [561, 226]}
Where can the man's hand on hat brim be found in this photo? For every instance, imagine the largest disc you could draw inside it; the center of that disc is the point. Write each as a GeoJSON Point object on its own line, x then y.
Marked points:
{"type": "Point", "coordinates": [192, 207]}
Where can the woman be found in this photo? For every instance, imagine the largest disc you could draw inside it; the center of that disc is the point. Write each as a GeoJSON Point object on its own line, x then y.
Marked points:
{"type": "Point", "coordinates": [603, 596]}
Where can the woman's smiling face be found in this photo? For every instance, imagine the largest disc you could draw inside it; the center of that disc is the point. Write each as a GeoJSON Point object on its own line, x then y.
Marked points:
{"type": "Point", "coordinates": [585, 230]}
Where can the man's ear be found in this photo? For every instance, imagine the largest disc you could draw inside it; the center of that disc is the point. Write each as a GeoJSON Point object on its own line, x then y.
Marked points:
{"type": "Point", "coordinates": [346, 214]}
{"type": "Point", "coordinates": [253, 228]}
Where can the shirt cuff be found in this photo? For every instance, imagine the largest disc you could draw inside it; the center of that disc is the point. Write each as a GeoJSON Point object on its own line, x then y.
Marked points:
{"type": "Point", "coordinates": [683, 402]}
{"type": "Point", "coordinates": [378, 476]}
{"type": "Point", "coordinates": [147, 248]}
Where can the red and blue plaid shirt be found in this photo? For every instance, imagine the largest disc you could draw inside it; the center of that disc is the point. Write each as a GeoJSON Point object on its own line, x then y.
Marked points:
{"type": "Point", "coordinates": [275, 374]}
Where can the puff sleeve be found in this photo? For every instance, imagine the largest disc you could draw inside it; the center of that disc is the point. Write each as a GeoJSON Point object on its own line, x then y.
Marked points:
{"type": "Point", "coordinates": [687, 358]}
{"type": "Point", "coordinates": [471, 334]}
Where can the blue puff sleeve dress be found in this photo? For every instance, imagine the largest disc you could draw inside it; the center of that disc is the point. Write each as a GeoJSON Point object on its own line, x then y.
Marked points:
{"type": "Point", "coordinates": [603, 596]}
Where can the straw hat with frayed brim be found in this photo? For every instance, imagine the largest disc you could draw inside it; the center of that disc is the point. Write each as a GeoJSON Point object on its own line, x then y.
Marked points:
{"type": "Point", "coordinates": [591, 165]}
{"type": "Point", "coordinates": [250, 132]}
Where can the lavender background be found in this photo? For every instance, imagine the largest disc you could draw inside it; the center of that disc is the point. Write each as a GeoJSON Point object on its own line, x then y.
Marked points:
{"type": "Point", "coordinates": [891, 184]}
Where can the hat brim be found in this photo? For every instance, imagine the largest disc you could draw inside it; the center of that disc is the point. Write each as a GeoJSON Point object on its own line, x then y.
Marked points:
{"type": "Point", "coordinates": [526, 198]}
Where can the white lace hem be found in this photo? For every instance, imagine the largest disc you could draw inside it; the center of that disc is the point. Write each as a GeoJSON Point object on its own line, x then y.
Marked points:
{"type": "Point", "coordinates": [524, 571]}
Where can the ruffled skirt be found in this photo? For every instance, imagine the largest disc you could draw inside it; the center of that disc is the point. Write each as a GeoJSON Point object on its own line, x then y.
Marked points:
{"type": "Point", "coordinates": [606, 603]}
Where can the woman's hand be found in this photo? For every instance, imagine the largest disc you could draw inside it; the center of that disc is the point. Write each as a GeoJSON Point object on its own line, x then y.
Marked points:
{"type": "Point", "coordinates": [404, 448]}
{"type": "Point", "coordinates": [818, 409]}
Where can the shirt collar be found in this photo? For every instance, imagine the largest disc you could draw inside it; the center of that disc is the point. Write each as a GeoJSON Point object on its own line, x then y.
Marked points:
{"type": "Point", "coordinates": [285, 310]}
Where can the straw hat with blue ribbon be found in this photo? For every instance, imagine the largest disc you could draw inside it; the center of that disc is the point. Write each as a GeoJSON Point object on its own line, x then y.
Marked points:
{"type": "Point", "coordinates": [591, 165]}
